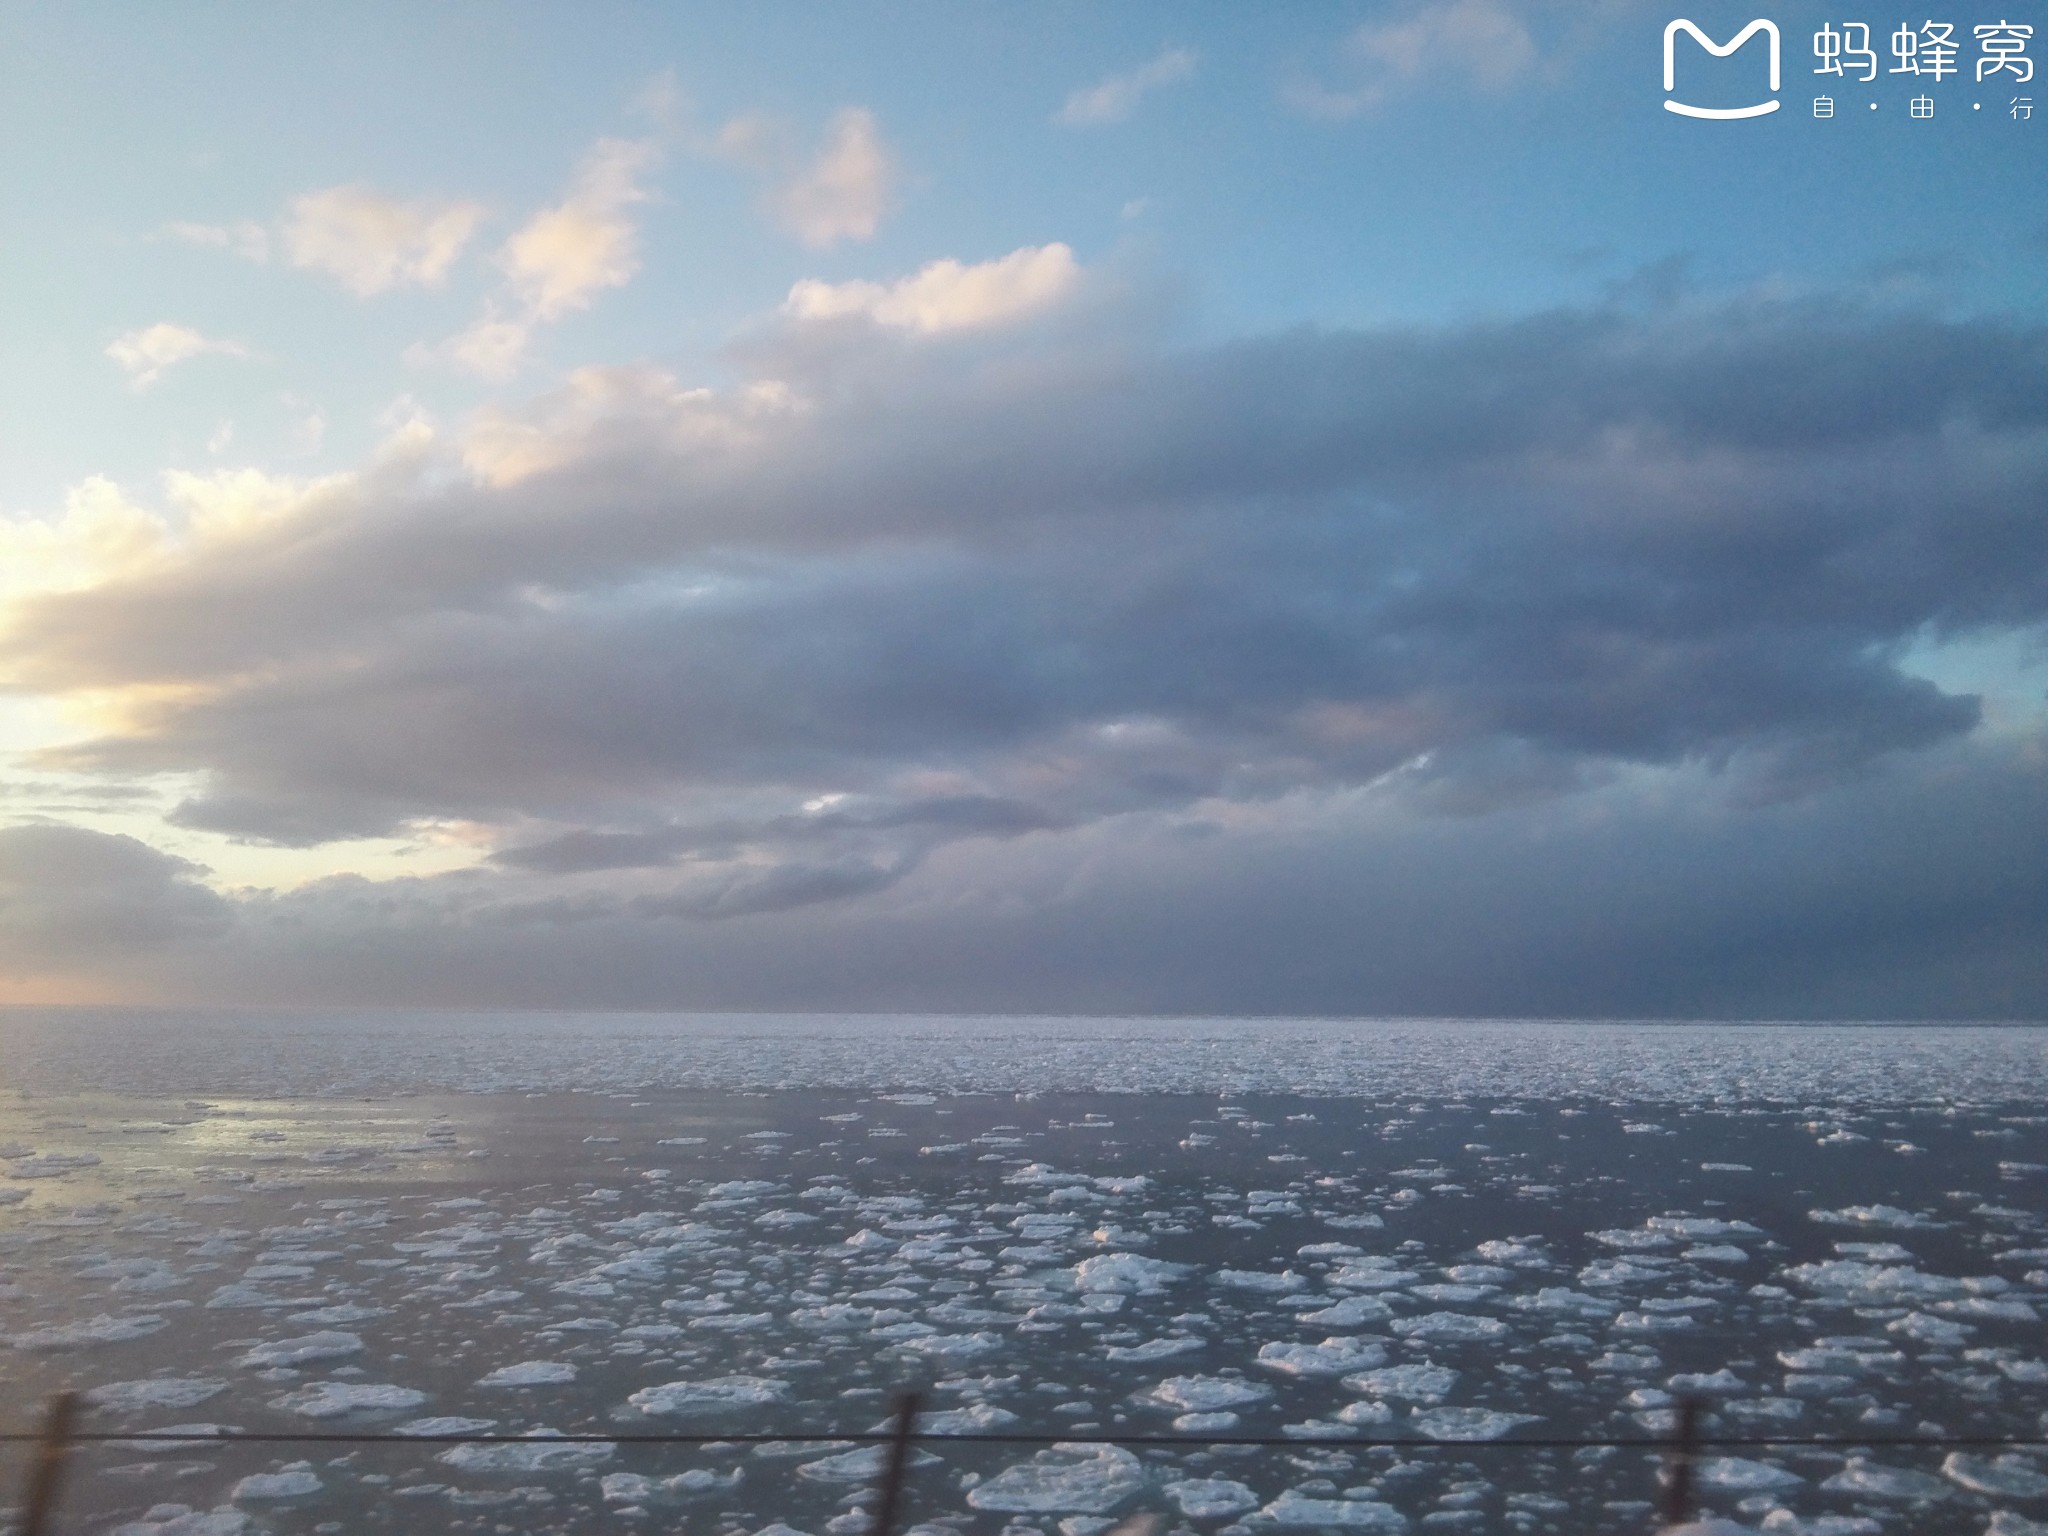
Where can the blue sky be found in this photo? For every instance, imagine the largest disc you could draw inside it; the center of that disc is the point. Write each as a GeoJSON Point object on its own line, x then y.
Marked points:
{"type": "Point", "coordinates": [1102, 432]}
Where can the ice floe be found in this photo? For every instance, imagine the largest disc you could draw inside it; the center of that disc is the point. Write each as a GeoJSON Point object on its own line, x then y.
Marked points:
{"type": "Point", "coordinates": [294, 1480]}
{"type": "Point", "coordinates": [1293, 1510]}
{"type": "Point", "coordinates": [1332, 1357]}
{"type": "Point", "coordinates": [541, 1452]}
{"type": "Point", "coordinates": [712, 1395]}
{"type": "Point", "coordinates": [530, 1373]}
{"type": "Point", "coordinates": [1066, 1479]}
{"type": "Point", "coordinates": [1467, 1423]}
{"type": "Point", "coordinates": [328, 1344]}
{"type": "Point", "coordinates": [99, 1329]}
{"type": "Point", "coordinates": [1459, 1327]}
{"type": "Point", "coordinates": [1210, 1498]}
{"type": "Point", "coordinates": [155, 1392]}
{"type": "Point", "coordinates": [337, 1399]}
{"type": "Point", "coordinates": [1875, 1480]}
{"type": "Point", "coordinates": [1416, 1383]}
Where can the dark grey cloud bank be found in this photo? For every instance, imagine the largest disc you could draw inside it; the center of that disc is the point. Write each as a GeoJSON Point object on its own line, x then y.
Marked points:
{"type": "Point", "coordinates": [1915, 891]}
{"type": "Point", "coordinates": [1396, 619]}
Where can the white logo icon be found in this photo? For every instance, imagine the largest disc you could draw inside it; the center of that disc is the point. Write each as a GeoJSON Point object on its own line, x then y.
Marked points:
{"type": "Point", "coordinates": [1719, 51]}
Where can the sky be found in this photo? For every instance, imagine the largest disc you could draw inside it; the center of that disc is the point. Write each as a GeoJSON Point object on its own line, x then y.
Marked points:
{"type": "Point", "coordinates": [1331, 509]}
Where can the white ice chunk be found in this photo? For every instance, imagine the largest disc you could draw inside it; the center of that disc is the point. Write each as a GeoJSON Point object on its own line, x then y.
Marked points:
{"type": "Point", "coordinates": [1154, 1349]}
{"type": "Point", "coordinates": [1296, 1509]}
{"type": "Point", "coordinates": [1365, 1414]}
{"type": "Point", "coordinates": [101, 1329]}
{"type": "Point", "coordinates": [862, 1466]}
{"type": "Point", "coordinates": [294, 1480]}
{"type": "Point", "coordinates": [1349, 1312]}
{"type": "Point", "coordinates": [975, 1419]}
{"type": "Point", "coordinates": [1260, 1280]}
{"type": "Point", "coordinates": [1067, 1479]}
{"type": "Point", "coordinates": [1875, 1284]}
{"type": "Point", "coordinates": [953, 1346]}
{"type": "Point", "coordinates": [1415, 1383]}
{"type": "Point", "coordinates": [536, 1454]}
{"type": "Point", "coordinates": [1332, 1357]}
{"type": "Point", "coordinates": [636, 1488]}
{"type": "Point", "coordinates": [329, 1344]}
{"type": "Point", "coordinates": [1739, 1474]}
{"type": "Point", "coordinates": [2003, 1477]}
{"type": "Point", "coordinates": [1128, 1272]}
{"type": "Point", "coordinates": [531, 1373]}
{"type": "Point", "coordinates": [1373, 1277]}
{"type": "Point", "coordinates": [1210, 1498]}
{"type": "Point", "coordinates": [1874, 1480]}
{"type": "Point", "coordinates": [333, 1399]}
{"type": "Point", "coordinates": [1923, 1329]}
{"type": "Point", "coordinates": [710, 1395]}
{"type": "Point", "coordinates": [1702, 1228]}
{"type": "Point", "coordinates": [1204, 1394]}
{"type": "Point", "coordinates": [1565, 1302]}
{"type": "Point", "coordinates": [1873, 1216]}
{"type": "Point", "coordinates": [1467, 1423]}
{"type": "Point", "coordinates": [1450, 1325]}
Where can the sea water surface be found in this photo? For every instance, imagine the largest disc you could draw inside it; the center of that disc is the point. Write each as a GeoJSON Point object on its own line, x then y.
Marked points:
{"type": "Point", "coordinates": [1443, 1238]}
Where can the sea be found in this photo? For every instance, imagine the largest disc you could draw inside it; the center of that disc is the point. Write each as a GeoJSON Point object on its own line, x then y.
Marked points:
{"type": "Point", "coordinates": [326, 1272]}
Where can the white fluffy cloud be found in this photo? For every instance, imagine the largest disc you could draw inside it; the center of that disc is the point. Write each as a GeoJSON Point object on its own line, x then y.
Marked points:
{"type": "Point", "coordinates": [100, 534]}
{"type": "Point", "coordinates": [844, 193]}
{"type": "Point", "coordinates": [565, 255]}
{"type": "Point", "coordinates": [146, 355]}
{"type": "Point", "coordinates": [1114, 99]}
{"type": "Point", "coordinates": [370, 243]}
{"type": "Point", "coordinates": [562, 258]}
{"type": "Point", "coordinates": [948, 295]}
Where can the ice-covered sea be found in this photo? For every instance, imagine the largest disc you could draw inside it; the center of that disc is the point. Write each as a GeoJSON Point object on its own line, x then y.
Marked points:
{"type": "Point", "coordinates": [1446, 1238]}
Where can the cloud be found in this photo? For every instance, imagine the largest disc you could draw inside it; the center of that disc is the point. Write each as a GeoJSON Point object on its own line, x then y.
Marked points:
{"type": "Point", "coordinates": [1116, 98]}
{"type": "Point", "coordinates": [881, 839]}
{"type": "Point", "coordinates": [1589, 537]}
{"type": "Point", "coordinates": [69, 895]}
{"type": "Point", "coordinates": [146, 355]}
{"type": "Point", "coordinates": [562, 258]}
{"type": "Point", "coordinates": [1898, 898]}
{"type": "Point", "coordinates": [883, 626]}
{"type": "Point", "coordinates": [99, 535]}
{"type": "Point", "coordinates": [1481, 41]}
{"type": "Point", "coordinates": [371, 243]}
{"type": "Point", "coordinates": [245, 238]}
{"type": "Point", "coordinates": [948, 295]}
{"type": "Point", "coordinates": [842, 194]}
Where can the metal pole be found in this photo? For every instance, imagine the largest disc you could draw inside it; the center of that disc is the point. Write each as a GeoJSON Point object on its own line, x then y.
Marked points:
{"type": "Point", "coordinates": [1678, 1463]}
{"type": "Point", "coordinates": [893, 1469]}
{"type": "Point", "coordinates": [46, 1477]}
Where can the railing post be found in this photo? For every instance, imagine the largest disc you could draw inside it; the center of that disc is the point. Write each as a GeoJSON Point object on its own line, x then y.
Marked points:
{"type": "Point", "coordinates": [896, 1466]}
{"type": "Point", "coordinates": [1678, 1463]}
{"type": "Point", "coordinates": [46, 1475]}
